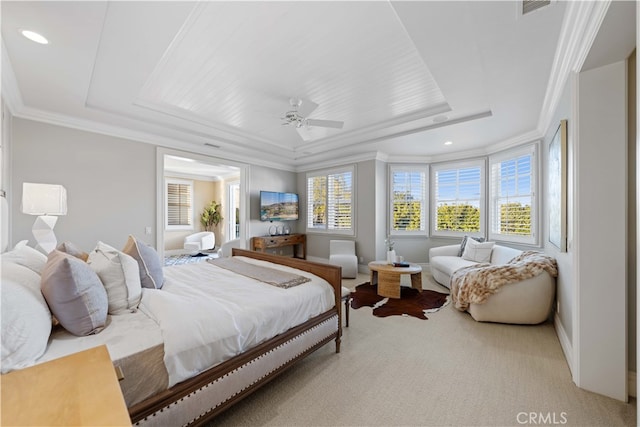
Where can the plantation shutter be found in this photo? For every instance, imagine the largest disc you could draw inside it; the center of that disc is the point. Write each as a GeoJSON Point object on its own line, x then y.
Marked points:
{"type": "Point", "coordinates": [408, 192]}
{"type": "Point", "coordinates": [512, 196]}
{"type": "Point", "coordinates": [339, 201]}
{"type": "Point", "coordinates": [458, 199]}
{"type": "Point", "coordinates": [179, 209]}
{"type": "Point", "coordinates": [316, 201]}
{"type": "Point", "coordinates": [330, 201]}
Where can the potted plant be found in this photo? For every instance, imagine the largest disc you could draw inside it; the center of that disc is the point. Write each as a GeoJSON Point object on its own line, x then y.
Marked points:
{"type": "Point", "coordinates": [211, 216]}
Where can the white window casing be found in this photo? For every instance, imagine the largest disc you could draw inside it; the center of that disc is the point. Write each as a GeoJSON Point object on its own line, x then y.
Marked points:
{"type": "Point", "coordinates": [513, 195]}
{"type": "Point", "coordinates": [408, 199]}
{"type": "Point", "coordinates": [331, 201]}
{"type": "Point", "coordinates": [458, 198]}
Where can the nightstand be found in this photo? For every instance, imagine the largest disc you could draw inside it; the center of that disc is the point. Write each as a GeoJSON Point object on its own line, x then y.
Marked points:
{"type": "Point", "coordinates": [79, 389]}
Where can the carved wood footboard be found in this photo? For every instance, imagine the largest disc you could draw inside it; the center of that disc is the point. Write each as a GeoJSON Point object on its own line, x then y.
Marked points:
{"type": "Point", "coordinates": [197, 400]}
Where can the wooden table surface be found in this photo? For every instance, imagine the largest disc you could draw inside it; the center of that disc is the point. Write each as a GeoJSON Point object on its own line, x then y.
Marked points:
{"type": "Point", "coordinates": [76, 390]}
{"type": "Point", "coordinates": [387, 277]}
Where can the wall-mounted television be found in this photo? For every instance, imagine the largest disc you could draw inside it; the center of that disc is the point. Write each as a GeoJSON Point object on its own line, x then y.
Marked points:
{"type": "Point", "coordinates": [276, 206]}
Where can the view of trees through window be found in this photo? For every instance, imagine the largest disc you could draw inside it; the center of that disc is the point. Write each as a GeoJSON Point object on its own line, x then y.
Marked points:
{"type": "Point", "coordinates": [409, 194]}
{"type": "Point", "coordinates": [330, 201]}
{"type": "Point", "coordinates": [458, 198]}
{"type": "Point", "coordinates": [512, 196]}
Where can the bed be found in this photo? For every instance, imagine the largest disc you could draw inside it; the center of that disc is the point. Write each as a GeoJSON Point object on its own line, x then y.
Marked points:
{"type": "Point", "coordinates": [165, 385]}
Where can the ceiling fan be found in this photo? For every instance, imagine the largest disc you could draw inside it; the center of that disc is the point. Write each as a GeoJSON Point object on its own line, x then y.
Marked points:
{"type": "Point", "coordinates": [297, 116]}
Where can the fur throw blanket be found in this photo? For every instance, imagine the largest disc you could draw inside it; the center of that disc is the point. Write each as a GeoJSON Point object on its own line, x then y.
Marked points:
{"type": "Point", "coordinates": [476, 283]}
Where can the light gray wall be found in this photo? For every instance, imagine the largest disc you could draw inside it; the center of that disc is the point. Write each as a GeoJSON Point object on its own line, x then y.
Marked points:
{"type": "Point", "coordinates": [268, 179]}
{"type": "Point", "coordinates": [110, 182]}
{"type": "Point", "coordinates": [370, 214]}
{"type": "Point", "coordinates": [601, 241]}
{"type": "Point", "coordinates": [565, 295]}
{"type": "Point", "coordinates": [632, 203]}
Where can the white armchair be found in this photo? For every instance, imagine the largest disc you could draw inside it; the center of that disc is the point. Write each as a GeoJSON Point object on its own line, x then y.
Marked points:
{"type": "Point", "coordinates": [196, 242]}
{"type": "Point", "coordinates": [226, 247]}
{"type": "Point", "coordinates": [343, 253]}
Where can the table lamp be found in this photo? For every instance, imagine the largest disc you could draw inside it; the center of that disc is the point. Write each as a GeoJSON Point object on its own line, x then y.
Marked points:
{"type": "Point", "coordinates": [47, 201]}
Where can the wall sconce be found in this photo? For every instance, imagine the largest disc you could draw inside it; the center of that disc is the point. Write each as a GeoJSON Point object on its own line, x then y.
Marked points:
{"type": "Point", "coordinates": [47, 201]}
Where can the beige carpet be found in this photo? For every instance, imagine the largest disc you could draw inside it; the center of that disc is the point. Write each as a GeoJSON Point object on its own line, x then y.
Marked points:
{"type": "Point", "coordinates": [448, 370]}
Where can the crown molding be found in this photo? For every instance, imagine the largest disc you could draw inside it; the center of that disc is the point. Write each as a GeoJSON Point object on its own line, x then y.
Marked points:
{"type": "Point", "coordinates": [582, 20]}
{"type": "Point", "coordinates": [148, 138]}
{"type": "Point", "coordinates": [329, 163]}
{"type": "Point", "coordinates": [10, 89]}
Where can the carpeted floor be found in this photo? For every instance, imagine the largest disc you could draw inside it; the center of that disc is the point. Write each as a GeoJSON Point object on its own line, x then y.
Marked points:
{"type": "Point", "coordinates": [448, 370]}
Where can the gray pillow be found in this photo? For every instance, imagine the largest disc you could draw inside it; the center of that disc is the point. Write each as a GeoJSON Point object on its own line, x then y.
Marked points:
{"type": "Point", "coordinates": [149, 263]}
{"type": "Point", "coordinates": [74, 294]}
{"type": "Point", "coordinates": [464, 243]}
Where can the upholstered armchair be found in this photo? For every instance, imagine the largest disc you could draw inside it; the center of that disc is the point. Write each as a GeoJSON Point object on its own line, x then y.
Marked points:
{"type": "Point", "coordinates": [196, 242]}
{"type": "Point", "coordinates": [343, 253]}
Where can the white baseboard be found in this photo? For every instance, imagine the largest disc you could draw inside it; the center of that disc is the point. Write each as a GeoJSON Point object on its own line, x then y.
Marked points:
{"type": "Point", "coordinates": [565, 342]}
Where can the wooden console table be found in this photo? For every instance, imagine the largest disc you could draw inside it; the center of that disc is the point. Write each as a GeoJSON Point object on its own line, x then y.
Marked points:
{"type": "Point", "coordinates": [298, 241]}
{"type": "Point", "coordinates": [79, 389]}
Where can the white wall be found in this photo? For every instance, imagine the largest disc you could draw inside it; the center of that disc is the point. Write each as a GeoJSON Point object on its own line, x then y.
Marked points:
{"type": "Point", "coordinates": [600, 231]}
{"type": "Point", "coordinates": [565, 294]}
{"type": "Point", "coordinates": [110, 183]}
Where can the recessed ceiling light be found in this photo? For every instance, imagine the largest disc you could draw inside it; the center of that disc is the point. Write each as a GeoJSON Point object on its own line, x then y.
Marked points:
{"type": "Point", "coordinates": [35, 37]}
{"type": "Point", "coordinates": [448, 143]}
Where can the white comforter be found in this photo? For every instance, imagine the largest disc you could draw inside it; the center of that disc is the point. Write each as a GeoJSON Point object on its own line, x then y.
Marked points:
{"type": "Point", "coordinates": [208, 314]}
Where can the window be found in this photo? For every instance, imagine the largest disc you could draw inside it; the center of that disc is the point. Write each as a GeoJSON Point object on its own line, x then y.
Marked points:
{"type": "Point", "coordinates": [330, 204]}
{"type": "Point", "coordinates": [458, 198]}
{"type": "Point", "coordinates": [179, 204]}
{"type": "Point", "coordinates": [513, 205]}
{"type": "Point", "coordinates": [408, 186]}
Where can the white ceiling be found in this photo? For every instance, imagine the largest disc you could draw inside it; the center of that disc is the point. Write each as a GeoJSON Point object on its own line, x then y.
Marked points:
{"type": "Point", "coordinates": [404, 77]}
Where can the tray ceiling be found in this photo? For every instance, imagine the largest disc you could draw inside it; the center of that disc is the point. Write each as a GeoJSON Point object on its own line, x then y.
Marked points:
{"type": "Point", "coordinates": [404, 77]}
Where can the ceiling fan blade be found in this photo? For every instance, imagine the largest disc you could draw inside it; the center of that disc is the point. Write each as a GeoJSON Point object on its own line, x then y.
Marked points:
{"type": "Point", "coordinates": [307, 107]}
{"type": "Point", "coordinates": [325, 123]}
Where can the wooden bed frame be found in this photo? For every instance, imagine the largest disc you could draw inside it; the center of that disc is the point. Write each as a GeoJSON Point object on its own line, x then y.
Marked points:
{"type": "Point", "coordinates": [199, 399]}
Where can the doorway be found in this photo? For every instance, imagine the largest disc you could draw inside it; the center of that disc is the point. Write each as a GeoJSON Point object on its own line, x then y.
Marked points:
{"type": "Point", "coordinates": [211, 180]}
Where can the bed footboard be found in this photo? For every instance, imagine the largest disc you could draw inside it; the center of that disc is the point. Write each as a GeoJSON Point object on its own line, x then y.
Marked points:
{"type": "Point", "coordinates": [201, 398]}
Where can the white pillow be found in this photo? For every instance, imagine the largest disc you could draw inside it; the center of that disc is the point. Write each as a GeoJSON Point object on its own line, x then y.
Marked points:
{"type": "Point", "coordinates": [26, 319]}
{"type": "Point", "coordinates": [27, 256]}
{"type": "Point", "coordinates": [477, 252]}
{"type": "Point", "coordinates": [120, 276]}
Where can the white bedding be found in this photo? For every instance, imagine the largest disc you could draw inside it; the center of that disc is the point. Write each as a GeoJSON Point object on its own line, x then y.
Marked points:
{"type": "Point", "coordinates": [204, 323]}
{"type": "Point", "coordinates": [125, 334]}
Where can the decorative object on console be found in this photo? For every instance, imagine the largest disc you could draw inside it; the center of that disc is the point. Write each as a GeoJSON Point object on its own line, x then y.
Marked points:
{"type": "Point", "coordinates": [47, 201]}
{"type": "Point", "coordinates": [391, 253]}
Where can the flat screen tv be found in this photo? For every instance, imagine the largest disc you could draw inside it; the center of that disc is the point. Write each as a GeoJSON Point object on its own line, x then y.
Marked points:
{"type": "Point", "coordinates": [276, 206]}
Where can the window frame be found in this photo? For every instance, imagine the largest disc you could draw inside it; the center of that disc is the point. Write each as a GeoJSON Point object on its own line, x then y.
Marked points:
{"type": "Point", "coordinates": [425, 199]}
{"type": "Point", "coordinates": [514, 153]}
{"type": "Point", "coordinates": [309, 209]}
{"type": "Point", "coordinates": [460, 164]}
{"type": "Point", "coordinates": [176, 227]}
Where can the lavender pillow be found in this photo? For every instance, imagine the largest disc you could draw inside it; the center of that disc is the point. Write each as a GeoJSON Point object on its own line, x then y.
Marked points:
{"type": "Point", "coordinates": [149, 263]}
{"type": "Point", "coordinates": [74, 294]}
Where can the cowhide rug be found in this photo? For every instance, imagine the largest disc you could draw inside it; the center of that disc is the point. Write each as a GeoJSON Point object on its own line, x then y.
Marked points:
{"type": "Point", "coordinates": [411, 301]}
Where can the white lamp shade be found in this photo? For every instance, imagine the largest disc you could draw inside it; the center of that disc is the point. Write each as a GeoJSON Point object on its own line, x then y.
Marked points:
{"type": "Point", "coordinates": [44, 199]}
